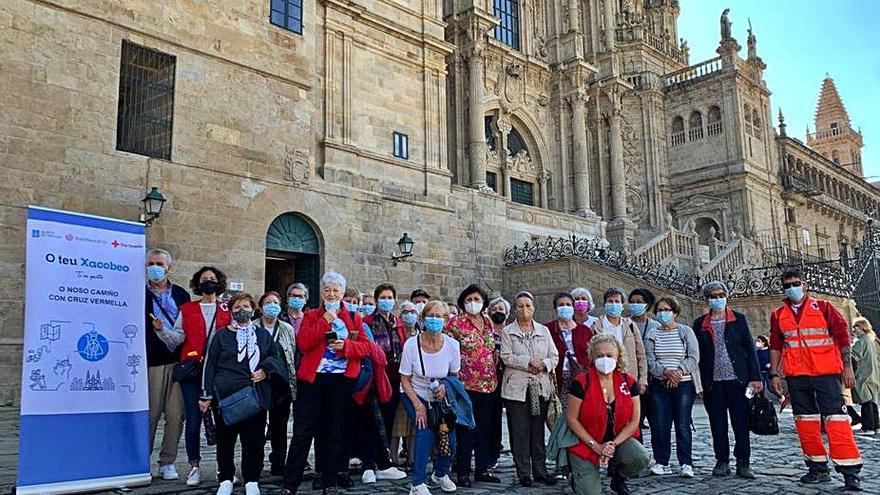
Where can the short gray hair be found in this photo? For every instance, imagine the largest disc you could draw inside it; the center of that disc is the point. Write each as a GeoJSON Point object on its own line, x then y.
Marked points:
{"type": "Point", "coordinates": [333, 277]}
{"type": "Point", "coordinates": [407, 305]}
{"type": "Point", "coordinates": [708, 287]}
{"type": "Point", "coordinates": [160, 252]}
{"type": "Point", "coordinates": [580, 291]}
{"type": "Point", "coordinates": [297, 285]}
{"type": "Point", "coordinates": [503, 302]}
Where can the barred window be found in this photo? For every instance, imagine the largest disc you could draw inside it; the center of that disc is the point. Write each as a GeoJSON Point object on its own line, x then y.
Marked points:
{"type": "Point", "coordinates": [515, 143]}
{"type": "Point", "coordinates": [507, 31]}
{"type": "Point", "coordinates": [492, 180]}
{"type": "Point", "coordinates": [287, 14]}
{"type": "Point", "coordinates": [145, 113]}
{"type": "Point", "coordinates": [522, 192]}
{"type": "Point", "coordinates": [401, 145]}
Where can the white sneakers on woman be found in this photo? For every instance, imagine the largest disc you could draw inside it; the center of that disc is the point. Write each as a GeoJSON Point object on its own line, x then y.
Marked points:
{"type": "Point", "coordinates": [168, 472]}
{"type": "Point", "coordinates": [194, 478]}
{"type": "Point", "coordinates": [391, 473]}
{"type": "Point", "coordinates": [660, 470]}
{"type": "Point", "coordinates": [687, 471]}
{"type": "Point", "coordinates": [369, 477]}
{"type": "Point", "coordinates": [419, 490]}
{"type": "Point", "coordinates": [251, 488]}
{"type": "Point", "coordinates": [445, 483]}
{"type": "Point", "coordinates": [225, 488]}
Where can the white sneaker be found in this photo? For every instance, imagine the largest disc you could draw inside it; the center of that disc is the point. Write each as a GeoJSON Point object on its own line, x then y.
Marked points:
{"type": "Point", "coordinates": [369, 477]}
{"type": "Point", "coordinates": [445, 483]}
{"type": "Point", "coordinates": [391, 473]}
{"type": "Point", "coordinates": [168, 472]}
{"type": "Point", "coordinates": [225, 488]}
{"type": "Point", "coordinates": [687, 471]}
{"type": "Point", "coordinates": [419, 490]}
{"type": "Point", "coordinates": [251, 488]}
{"type": "Point", "coordinates": [194, 478]}
{"type": "Point", "coordinates": [660, 470]}
{"type": "Point", "coordinates": [355, 463]}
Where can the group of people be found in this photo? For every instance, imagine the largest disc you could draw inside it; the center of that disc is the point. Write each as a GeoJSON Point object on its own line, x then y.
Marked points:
{"type": "Point", "coordinates": [383, 380]}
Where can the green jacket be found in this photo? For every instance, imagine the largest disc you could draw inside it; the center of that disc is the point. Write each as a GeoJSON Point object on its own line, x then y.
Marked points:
{"type": "Point", "coordinates": [866, 365]}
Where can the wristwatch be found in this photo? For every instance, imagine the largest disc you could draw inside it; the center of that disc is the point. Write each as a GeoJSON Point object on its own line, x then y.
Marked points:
{"type": "Point", "coordinates": [591, 443]}
{"type": "Point", "coordinates": [773, 375]}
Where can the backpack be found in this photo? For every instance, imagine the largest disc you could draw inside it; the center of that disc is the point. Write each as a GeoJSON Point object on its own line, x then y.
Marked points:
{"type": "Point", "coordinates": [762, 416]}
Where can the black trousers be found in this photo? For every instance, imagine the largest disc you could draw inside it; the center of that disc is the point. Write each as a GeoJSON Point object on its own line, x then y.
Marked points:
{"type": "Point", "coordinates": [371, 447]}
{"type": "Point", "coordinates": [252, 433]}
{"type": "Point", "coordinates": [279, 415]}
{"type": "Point", "coordinates": [479, 440]}
{"type": "Point", "coordinates": [497, 425]}
{"type": "Point", "coordinates": [527, 438]}
{"type": "Point", "coordinates": [728, 399]}
{"type": "Point", "coordinates": [870, 417]}
{"type": "Point", "coordinates": [322, 406]}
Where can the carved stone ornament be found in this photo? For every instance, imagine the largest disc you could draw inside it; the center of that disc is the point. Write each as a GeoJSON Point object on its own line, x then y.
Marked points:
{"type": "Point", "coordinates": [491, 155]}
{"type": "Point", "coordinates": [296, 167]}
{"type": "Point", "coordinates": [504, 125]}
{"type": "Point", "coordinates": [636, 208]}
{"type": "Point", "coordinates": [630, 146]}
{"type": "Point", "coordinates": [514, 85]}
{"type": "Point", "coordinates": [522, 163]}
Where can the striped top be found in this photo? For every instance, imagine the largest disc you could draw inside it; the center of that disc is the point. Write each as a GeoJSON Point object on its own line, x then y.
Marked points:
{"type": "Point", "coordinates": [670, 350]}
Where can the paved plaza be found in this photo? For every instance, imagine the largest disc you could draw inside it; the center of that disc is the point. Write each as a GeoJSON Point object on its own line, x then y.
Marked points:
{"type": "Point", "coordinates": [775, 459]}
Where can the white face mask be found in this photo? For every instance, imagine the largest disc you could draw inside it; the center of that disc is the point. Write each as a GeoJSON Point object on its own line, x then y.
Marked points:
{"type": "Point", "coordinates": [473, 307]}
{"type": "Point", "coordinates": [605, 365]}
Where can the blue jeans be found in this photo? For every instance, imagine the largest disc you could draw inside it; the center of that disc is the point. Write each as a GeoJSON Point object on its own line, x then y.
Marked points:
{"type": "Point", "coordinates": [192, 431]}
{"type": "Point", "coordinates": [668, 406]}
{"type": "Point", "coordinates": [423, 445]}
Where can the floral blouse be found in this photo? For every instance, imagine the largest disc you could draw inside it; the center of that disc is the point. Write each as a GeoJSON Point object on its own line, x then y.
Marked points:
{"type": "Point", "coordinates": [478, 372]}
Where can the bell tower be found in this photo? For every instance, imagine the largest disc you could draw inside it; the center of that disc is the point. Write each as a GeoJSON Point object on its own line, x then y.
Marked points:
{"type": "Point", "coordinates": [834, 137]}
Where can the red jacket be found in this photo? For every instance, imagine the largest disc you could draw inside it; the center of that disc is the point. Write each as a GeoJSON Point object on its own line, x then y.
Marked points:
{"type": "Point", "coordinates": [380, 377]}
{"type": "Point", "coordinates": [195, 328]}
{"type": "Point", "coordinates": [580, 340]}
{"type": "Point", "coordinates": [837, 325]}
{"type": "Point", "coordinates": [312, 341]}
{"type": "Point", "coordinates": [593, 415]}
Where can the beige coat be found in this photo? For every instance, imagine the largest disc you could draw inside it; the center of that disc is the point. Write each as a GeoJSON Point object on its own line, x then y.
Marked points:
{"type": "Point", "coordinates": [633, 348]}
{"type": "Point", "coordinates": [517, 349]}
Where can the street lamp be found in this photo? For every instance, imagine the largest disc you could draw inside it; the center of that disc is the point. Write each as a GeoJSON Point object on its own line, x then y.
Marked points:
{"type": "Point", "coordinates": [153, 203]}
{"type": "Point", "coordinates": [404, 249]}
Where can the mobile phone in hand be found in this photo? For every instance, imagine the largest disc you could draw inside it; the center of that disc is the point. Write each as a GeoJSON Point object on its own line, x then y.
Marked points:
{"type": "Point", "coordinates": [331, 336]}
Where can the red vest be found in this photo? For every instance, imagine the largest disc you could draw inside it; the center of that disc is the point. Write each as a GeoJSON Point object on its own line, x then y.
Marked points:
{"type": "Point", "coordinates": [809, 349]}
{"type": "Point", "coordinates": [593, 414]}
{"type": "Point", "coordinates": [195, 328]}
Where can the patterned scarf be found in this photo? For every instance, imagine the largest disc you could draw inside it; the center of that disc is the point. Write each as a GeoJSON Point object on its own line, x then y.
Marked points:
{"type": "Point", "coordinates": [247, 347]}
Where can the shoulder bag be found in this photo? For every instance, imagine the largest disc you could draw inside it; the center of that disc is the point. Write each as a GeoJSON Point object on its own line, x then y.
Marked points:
{"type": "Point", "coordinates": [190, 370]}
{"type": "Point", "coordinates": [440, 412]}
{"type": "Point", "coordinates": [239, 406]}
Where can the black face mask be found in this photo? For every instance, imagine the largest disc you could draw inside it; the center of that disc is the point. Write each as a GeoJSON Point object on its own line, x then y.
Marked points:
{"type": "Point", "coordinates": [208, 287]}
{"type": "Point", "coordinates": [498, 317]}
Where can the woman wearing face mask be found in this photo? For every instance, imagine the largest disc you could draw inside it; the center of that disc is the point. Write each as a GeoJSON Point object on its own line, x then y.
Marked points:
{"type": "Point", "coordinates": [762, 349]}
{"type": "Point", "coordinates": [283, 390]}
{"type": "Point", "coordinates": [499, 310]}
{"type": "Point", "coordinates": [473, 331]}
{"type": "Point", "coordinates": [638, 303]}
{"type": "Point", "coordinates": [626, 332]}
{"type": "Point", "coordinates": [389, 332]}
{"type": "Point", "coordinates": [528, 352]}
{"type": "Point", "coordinates": [866, 364]}
{"type": "Point", "coordinates": [401, 431]}
{"type": "Point", "coordinates": [572, 341]}
{"type": "Point", "coordinates": [604, 414]}
{"type": "Point", "coordinates": [195, 328]}
{"type": "Point", "coordinates": [368, 305]}
{"type": "Point", "coordinates": [243, 356]}
{"type": "Point", "coordinates": [333, 344]}
{"type": "Point", "coordinates": [673, 361]}
{"type": "Point", "coordinates": [583, 304]}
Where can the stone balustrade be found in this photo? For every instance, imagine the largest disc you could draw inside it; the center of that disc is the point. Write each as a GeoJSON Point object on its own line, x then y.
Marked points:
{"type": "Point", "coordinates": [694, 72]}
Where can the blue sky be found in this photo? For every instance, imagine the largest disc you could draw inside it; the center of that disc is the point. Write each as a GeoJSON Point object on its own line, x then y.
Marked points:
{"type": "Point", "coordinates": [801, 40]}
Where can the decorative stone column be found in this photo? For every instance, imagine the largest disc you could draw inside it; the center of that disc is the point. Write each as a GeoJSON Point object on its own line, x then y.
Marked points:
{"type": "Point", "coordinates": [609, 24]}
{"type": "Point", "coordinates": [477, 143]}
{"type": "Point", "coordinates": [544, 178]}
{"type": "Point", "coordinates": [618, 182]}
{"type": "Point", "coordinates": [504, 127]}
{"type": "Point", "coordinates": [580, 156]}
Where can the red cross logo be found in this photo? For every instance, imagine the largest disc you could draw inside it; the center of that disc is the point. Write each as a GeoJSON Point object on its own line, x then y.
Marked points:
{"type": "Point", "coordinates": [115, 244]}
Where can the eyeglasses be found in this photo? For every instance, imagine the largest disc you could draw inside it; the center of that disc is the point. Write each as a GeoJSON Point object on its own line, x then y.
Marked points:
{"type": "Point", "coordinates": [791, 284]}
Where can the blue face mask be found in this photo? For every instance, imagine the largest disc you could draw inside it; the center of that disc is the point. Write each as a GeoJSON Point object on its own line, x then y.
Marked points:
{"type": "Point", "coordinates": [410, 319]}
{"type": "Point", "coordinates": [367, 309]}
{"type": "Point", "coordinates": [613, 309]}
{"type": "Point", "coordinates": [718, 304]}
{"type": "Point", "coordinates": [795, 294]}
{"type": "Point", "coordinates": [434, 324]}
{"type": "Point", "coordinates": [385, 305]}
{"type": "Point", "coordinates": [665, 317]}
{"type": "Point", "coordinates": [565, 312]}
{"type": "Point", "coordinates": [351, 307]}
{"type": "Point", "coordinates": [637, 309]}
{"type": "Point", "coordinates": [331, 306]}
{"type": "Point", "coordinates": [272, 309]}
{"type": "Point", "coordinates": [155, 273]}
{"type": "Point", "coordinates": [296, 302]}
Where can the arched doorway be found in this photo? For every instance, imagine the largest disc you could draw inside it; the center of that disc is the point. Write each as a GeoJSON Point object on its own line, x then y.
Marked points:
{"type": "Point", "coordinates": [293, 254]}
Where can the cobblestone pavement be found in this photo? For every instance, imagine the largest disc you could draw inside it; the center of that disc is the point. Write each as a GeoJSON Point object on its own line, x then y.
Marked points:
{"type": "Point", "coordinates": [775, 460]}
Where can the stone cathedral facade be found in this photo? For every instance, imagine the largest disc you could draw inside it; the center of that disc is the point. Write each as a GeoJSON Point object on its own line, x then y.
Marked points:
{"type": "Point", "coordinates": [294, 136]}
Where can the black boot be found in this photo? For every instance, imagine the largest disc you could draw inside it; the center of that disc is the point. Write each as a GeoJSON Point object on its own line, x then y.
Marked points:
{"type": "Point", "coordinates": [852, 482]}
{"type": "Point", "coordinates": [618, 482]}
{"type": "Point", "coordinates": [816, 475]}
{"type": "Point", "coordinates": [744, 470]}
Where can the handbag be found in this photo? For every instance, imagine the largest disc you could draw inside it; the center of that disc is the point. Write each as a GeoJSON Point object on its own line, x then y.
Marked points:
{"type": "Point", "coordinates": [439, 413]}
{"type": "Point", "coordinates": [210, 428]}
{"type": "Point", "coordinates": [365, 376]}
{"type": "Point", "coordinates": [239, 406]}
{"type": "Point", "coordinates": [762, 416]}
{"type": "Point", "coordinates": [190, 370]}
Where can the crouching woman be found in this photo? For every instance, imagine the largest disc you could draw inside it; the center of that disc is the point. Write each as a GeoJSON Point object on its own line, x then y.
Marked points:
{"type": "Point", "coordinates": [603, 412]}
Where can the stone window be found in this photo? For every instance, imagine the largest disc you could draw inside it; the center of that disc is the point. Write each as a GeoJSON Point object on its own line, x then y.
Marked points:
{"type": "Point", "coordinates": [695, 126]}
{"type": "Point", "coordinates": [287, 14]}
{"type": "Point", "coordinates": [507, 31]}
{"type": "Point", "coordinates": [522, 192]}
{"type": "Point", "coordinates": [145, 115]}
{"type": "Point", "coordinates": [515, 143]}
{"type": "Point", "coordinates": [713, 127]}
{"type": "Point", "coordinates": [491, 139]}
{"type": "Point", "coordinates": [790, 215]}
{"type": "Point", "coordinates": [492, 180]}
{"type": "Point", "coordinates": [677, 131]}
{"type": "Point", "coordinates": [401, 145]}
{"type": "Point", "coordinates": [756, 124]}
{"type": "Point", "coordinates": [835, 129]}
